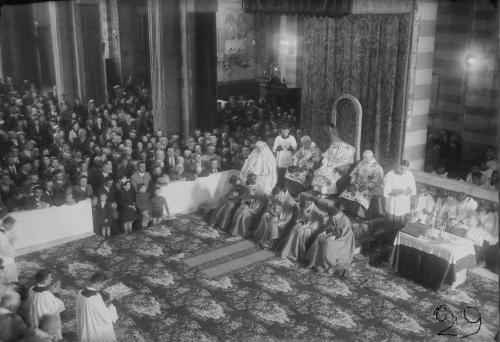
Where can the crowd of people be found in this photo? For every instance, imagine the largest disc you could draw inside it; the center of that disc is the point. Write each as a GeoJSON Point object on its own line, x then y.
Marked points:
{"type": "Point", "coordinates": [444, 158]}
{"type": "Point", "coordinates": [58, 152]}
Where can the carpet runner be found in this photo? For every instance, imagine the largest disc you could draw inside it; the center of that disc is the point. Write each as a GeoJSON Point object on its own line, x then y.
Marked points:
{"type": "Point", "coordinates": [228, 259]}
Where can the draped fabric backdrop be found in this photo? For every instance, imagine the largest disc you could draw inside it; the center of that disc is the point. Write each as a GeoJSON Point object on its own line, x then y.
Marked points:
{"type": "Point", "coordinates": [92, 52]}
{"type": "Point", "coordinates": [164, 45]}
{"type": "Point", "coordinates": [366, 56]}
{"type": "Point", "coordinates": [204, 69]}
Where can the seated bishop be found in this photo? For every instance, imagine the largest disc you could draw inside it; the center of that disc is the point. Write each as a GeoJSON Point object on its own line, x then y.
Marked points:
{"type": "Point", "coordinates": [336, 163]}
{"type": "Point", "coordinates": [364, 195]}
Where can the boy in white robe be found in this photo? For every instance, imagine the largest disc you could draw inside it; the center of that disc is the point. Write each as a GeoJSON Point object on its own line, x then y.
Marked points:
{"type": "Point", "coordinates": [460, 216]}
{"type": "Point", "coordinates": [284, 146]}
{"type": "Point", "coordinates": [94, 320]}
{"type": "Point", "coordinates": [41, 302]}
{"type": "Point", "coordinates": [424, 207]}
{"type": "Point", "coordinates": [399, 186]}
{"type": "Point", "coordinates": [444, 205]}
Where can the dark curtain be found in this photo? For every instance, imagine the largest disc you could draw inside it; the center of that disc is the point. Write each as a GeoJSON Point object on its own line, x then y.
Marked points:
{"type": "Point", "coordinates": [366, 56]}
{"type": "Point", "coordinates": [166, 64]}
{"type": "Point", "coordinates": [93, 57]}
{"type": "Point", "coordinates": [205, 69]}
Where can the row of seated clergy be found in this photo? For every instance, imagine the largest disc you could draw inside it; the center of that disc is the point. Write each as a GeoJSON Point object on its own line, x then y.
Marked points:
{"type": "Point", "coordinates": [459, 214]}
{"type": "Point", "coordinates": [245, 213]}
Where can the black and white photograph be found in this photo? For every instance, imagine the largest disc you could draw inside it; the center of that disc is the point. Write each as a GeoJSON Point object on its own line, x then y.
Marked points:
{"type": "Point", "coordinates": [249, 170]}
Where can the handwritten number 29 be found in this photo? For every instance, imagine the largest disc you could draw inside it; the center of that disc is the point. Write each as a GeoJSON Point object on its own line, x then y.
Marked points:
{"type": "Point", "coordinates": [441, 314]}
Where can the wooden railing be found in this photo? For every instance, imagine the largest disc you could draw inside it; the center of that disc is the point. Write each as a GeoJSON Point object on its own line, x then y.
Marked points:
{"type": "Point", "coordinates": [455, 186]}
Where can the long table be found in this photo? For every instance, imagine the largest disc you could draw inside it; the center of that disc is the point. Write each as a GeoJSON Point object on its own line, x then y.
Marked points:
{"type": "Point", "coordinates": [421, 254]}
{"type": "Point", "coordinates": [204, 192]}
{"type": "Point", "coordinates": [45, 228]}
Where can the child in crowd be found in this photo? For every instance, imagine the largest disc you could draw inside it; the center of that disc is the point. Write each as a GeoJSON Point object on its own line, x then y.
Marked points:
{"type": "Point", "coordinates": [143, 204]}
{"type": "Point", "coordinates": [104, 215]}
{"type": "Point", "coordinates": [158, 203]}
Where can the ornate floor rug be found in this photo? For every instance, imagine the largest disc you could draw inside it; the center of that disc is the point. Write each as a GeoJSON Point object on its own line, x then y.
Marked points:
{"type": "Point", "coordinates": [167, 292]}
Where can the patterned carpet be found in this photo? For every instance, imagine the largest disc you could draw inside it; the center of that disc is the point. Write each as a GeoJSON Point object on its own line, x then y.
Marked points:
{"type": "Point", "coordinates": [164, 299]}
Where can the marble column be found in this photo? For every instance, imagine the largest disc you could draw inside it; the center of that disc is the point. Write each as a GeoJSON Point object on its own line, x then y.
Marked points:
{"type": "Point", "coordinates": [165, 62]}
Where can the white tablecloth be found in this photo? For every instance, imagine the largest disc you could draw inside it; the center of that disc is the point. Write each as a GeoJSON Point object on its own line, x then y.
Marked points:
{"type": "Point", "coordinates": [450, 248]}
{"type": "Point", "coordinates": [188, 196]}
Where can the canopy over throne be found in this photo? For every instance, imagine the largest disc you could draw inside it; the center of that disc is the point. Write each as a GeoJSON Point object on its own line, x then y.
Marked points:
{"type": "Point", "coordinates": [347, 115]}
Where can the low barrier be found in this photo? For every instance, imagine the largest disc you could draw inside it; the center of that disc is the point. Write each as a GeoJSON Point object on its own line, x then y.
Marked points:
{"type": "Point", "coordinates": [45, 228]}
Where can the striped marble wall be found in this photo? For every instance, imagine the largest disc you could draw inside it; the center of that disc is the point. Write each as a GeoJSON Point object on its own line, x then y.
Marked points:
{"type": "Point", "coordinates": [466, 94]}
{"type": "Point", "coordinates": [420, 82]}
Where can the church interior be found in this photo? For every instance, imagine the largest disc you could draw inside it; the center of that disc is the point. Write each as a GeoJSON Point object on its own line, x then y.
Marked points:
{"type": "Point", "coordinates": [249, 170]}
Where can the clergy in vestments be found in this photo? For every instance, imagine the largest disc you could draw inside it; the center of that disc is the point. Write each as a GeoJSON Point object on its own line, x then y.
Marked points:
{"type": "Point", "coordinates": [262, 163]}
{"type": "Point", "coordinates": [94, 320]}
{"type": "Point", "coordinates": [333, 249]}
{"type": "Point", "coordinates": [336, 162]}
{"type": "Point", "coordinates": [12, 326]}
{"type": "Point", "coordinates": [399, 186]}
{"type": "Point", "coordinates": [299, 239]}
{"type": "Point", "coordinates": [223, 213]}
{"type": "Point", "coordinates": [364, 195]}
{"type": "Point", "coordinates": [41, 302]}
{"type": "Point", "coordinates": [298, 177]}
{"type": "Point", "coordinates": [247, 216]}
{"type": "Point", "coordinates": [8, 272]}
{"type": "Point", "coordinates": [276, 220]}
{"type": "Point", "coordinates": [284, 147]}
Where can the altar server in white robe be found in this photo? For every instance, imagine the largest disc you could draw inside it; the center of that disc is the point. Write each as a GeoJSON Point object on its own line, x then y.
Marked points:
{"type": "Point", "coordinates": [399, 186]}
{"type": "Point", "coordinates": [424, 207]}
{"type": "Point", "coordinates": [94, 320]}
{"type": "Point", "coordinates": [461, 216]}
{"type": "Point", "coordinates": [284, 147]}
{"type": "Point", "coordinates": [41, 302]}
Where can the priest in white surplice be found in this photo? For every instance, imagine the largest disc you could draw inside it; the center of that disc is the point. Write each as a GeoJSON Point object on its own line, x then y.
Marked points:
{"type": "Point", "coordinates": [41, 301]}
{"type": "Point", "coordinates": [399, 186]}
{"type": "Point", "coordinates": [94, 320]}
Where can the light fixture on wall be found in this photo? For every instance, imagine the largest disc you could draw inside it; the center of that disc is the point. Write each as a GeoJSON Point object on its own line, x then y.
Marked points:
{"type": "Point", "coordinates": [477, 63]}
{"type": "Point", "coordinates": [285, 42]}
{"type": "Point", "coordinates": [288, 46]}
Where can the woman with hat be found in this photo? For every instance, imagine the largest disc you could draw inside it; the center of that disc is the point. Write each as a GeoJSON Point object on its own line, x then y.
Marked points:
{"type": "Point", "coordinates": [126, 205]}
{"type": "Point", "coordinates": [223, 213]}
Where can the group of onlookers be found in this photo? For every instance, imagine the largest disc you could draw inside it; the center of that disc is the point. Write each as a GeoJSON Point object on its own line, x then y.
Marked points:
{"type": "Point", "coordinates": [56, 151]}
{"type": "Point", "coordinates": [444, 158]}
